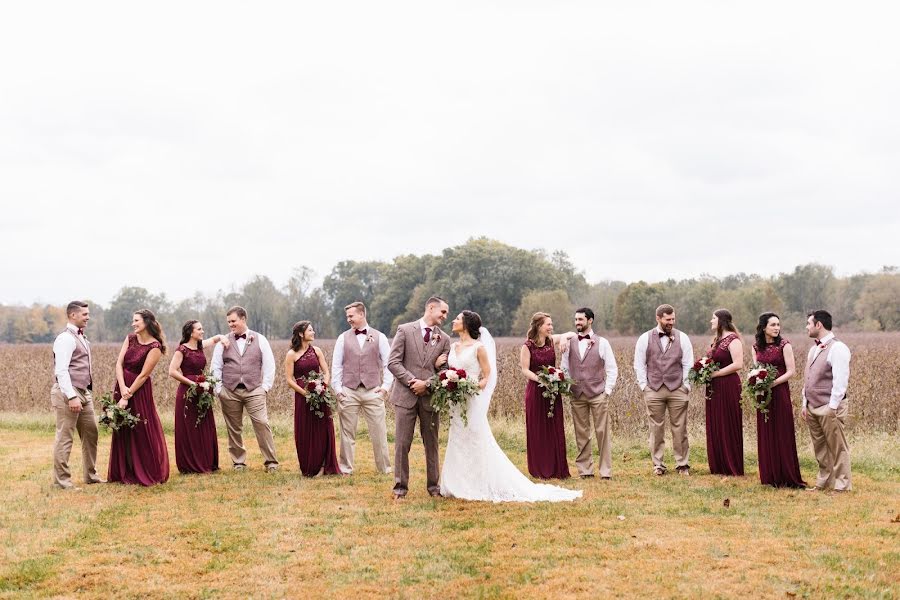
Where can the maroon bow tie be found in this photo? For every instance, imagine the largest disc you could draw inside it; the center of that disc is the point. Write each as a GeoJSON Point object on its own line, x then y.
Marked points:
{"type": "Point", "coordinates": [81, 331]}
{"type": "Point", "coordinates": [663, 334]}
{"type": "Point", "coordinates": [584, 337]}
{"type": "Point", "coordinates": [427, 334]}
{"type": "Point", "coordinates": [359, 332]}
{"type": "Point", "coordinates": [240, 336]}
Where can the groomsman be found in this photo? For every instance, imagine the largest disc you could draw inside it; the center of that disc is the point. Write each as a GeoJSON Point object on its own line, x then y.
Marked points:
{"type": "Point", "coordinates": [72, 400]}
{"type": "Point", "coordinates": [361, 378]}
{"type": "Point", "coordinates": [662, 358]}
{"type": "Point", "coordinates": [824, 406]}
{"type": "Point", "coordinates": [590, 361]}
{"type": "Point", "coordinates": [246, 372]}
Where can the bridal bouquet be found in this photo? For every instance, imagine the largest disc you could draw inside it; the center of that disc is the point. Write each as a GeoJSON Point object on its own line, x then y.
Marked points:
{"type": "Point", "coordinates": [452, 387]}
{"type": "Point", "coordinates": [701, 372]}
{"type": "Point", "coordinates": [758, 388]}
{"type": "Point", "coordinates": [114, 418]}
{"type": "Point", "coordinates": [318, 394]}
{"type": "Point", "coordinates": [553, 383]}
{"type": "Point", "coordinates": [201, 393]}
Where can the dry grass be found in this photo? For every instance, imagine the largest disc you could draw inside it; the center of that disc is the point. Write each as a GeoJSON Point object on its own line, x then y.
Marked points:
{"type": "Point", "coordinates": [251, 534]}
{"type": "Point", "coordinates": [874, 383]}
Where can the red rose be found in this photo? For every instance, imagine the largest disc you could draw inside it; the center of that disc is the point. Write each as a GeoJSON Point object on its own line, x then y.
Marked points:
{"type": "Point", "coordinates": [451, 386]}
{"type": "Point", "coordinates": [552, 370]}
{"type": "Point", "coordinates": [311, 386]}
{"type": "Point", "coordinates": [763, 374]}
{"type": "Point", "coordinates": [324, 385]}
{"type": "Point", "coordinates": [443, 375]}
{"type": "Point", "coordinates": [697, 366]}
{"type": "Point", "coordinates": [562, 376]}
{"type": "Point", "coordinates": [752, 380]}
{"type": "Point", "coordinates": [200, 378]}
{"type": "Point", "coordinates": [461, 373]}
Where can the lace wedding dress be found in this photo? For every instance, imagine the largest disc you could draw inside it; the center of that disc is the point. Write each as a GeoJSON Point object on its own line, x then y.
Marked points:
{"type": "Point", "coordinates": [475, 467]}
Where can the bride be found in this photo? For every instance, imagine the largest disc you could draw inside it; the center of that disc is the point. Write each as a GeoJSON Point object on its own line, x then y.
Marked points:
{"type": "Point", "coordinates": [475, 468]}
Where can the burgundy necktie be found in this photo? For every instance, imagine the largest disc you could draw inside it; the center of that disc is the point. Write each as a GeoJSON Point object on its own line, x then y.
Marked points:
{"type": "Point", "coordinates": [427, 334]}
{"type": "Point", "coordinates": [359, 332]}
{"type": "Point", "coordinates": [240, 336]}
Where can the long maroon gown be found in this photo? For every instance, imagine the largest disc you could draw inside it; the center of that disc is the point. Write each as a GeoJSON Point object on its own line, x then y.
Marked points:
{"type": "Point", "coordinates": [196, 445]}
{"type": "Point", "coordinates": [776, 441]}
{"type": "Point", "coordinates": [724, 427]}
{"type": "Point", "coordinates": [139, 455]}
{"type": "Point", "coordinates": [313, 435]}
{"type": "Point", "coordinates": [545, 437]}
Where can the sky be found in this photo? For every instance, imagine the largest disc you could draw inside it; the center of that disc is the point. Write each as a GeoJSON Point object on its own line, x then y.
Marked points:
{"type": "Point", "coordinates": [189, 146]}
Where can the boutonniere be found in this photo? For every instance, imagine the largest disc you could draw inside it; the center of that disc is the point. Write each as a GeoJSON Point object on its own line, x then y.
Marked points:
{"type": "Point", "coordinates": [249, 340]}
{"type": "Point", "coordinates": [369, 338]}
{"type": "Point", "coordinates": [821, 345]}
{"type": "Point", "coordinates": [435, 339]}
{"type": "Point", "coordinates": [590, 344]}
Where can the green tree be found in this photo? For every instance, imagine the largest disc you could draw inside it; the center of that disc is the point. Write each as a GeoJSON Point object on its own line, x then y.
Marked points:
{"type": "Point", "coordinates": [351, 281]}
{"type": "Point", "coordinates": [266, 306]}
{"type": "Point", "coordinates": [554, 302]}
{"type": "Point", "coordinates": [878, 302]}
{"type": "Point", "coordinates": [635, 309]}
{"type": "Point", "coordinates": [806, 288]}
{"type": "Point", "coordinates": [117, 317]}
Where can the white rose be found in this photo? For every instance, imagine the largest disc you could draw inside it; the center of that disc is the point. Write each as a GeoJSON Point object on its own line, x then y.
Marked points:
{"type": "Point", "coordinates": [205, 385]}
{"type": "Point", "coordinates": [452, 376]}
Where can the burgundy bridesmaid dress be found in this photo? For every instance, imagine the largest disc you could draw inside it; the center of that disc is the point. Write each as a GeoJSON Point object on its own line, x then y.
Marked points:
{"type": "Point", "coordinates": [313, 435]}
{"type": "Point", "coordinates": [545, 436]}
{"type": "Point", "coordinates": [724, 427]}
{"type": "Point", "coordinates": [776, 441]}
{"type": "Point", "coordinates": [139, 455]}
{"type": "Point", "coordinates": [196, 446]}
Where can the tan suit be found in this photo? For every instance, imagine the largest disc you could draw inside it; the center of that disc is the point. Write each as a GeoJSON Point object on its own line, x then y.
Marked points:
{"type": "Point", "coordinates": [412, 358]}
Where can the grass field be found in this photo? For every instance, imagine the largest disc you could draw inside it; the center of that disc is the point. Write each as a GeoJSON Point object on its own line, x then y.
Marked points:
{"type": "Point", "coordinates": [269, 536]}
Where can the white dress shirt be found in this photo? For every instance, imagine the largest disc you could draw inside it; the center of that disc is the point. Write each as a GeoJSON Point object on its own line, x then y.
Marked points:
{"type": "Point", "coordinates": [605, 352]}
{"type": "Point", "coordinates": [268, 360]}
{"type": "Point", "coordinates": [337, 359]}
{"type": "Point", "coordinates": [640, 356]}
{"type": "Point", "coordinates": [63, 348]}
{"type": "Point", "coordinates": [839, 359]}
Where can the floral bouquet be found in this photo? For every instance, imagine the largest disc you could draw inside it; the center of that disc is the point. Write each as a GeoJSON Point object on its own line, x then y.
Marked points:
{"type": "Point", "coordinates": [701, 372]}
{"type": "Point", "coordinates": [318, 394]}
{"type": "Point", "coordinates": [758, 388]}
{"type": "Point", "coordinates": [201, 393]}
{"type": "Point", "coordinates": [553, 383]}
{"type": "Point", "coordinates": [452, 387]}
{"type": "Point", "coordinates": [114, 418]}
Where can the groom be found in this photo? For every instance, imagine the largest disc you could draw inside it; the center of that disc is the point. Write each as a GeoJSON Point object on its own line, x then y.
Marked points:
{"type": "Point", "coordinates": [418, 349]}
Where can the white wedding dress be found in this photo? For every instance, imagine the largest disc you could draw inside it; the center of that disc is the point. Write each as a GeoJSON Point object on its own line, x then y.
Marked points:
{"type": "Point", "coordinates": [475, 467]}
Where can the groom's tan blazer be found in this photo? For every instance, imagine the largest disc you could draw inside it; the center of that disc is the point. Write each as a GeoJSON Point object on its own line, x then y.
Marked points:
{"type": "Point", "coordinates": [411, 358]}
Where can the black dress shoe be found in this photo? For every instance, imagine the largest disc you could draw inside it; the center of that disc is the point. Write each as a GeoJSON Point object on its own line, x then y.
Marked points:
{"type": "Point", "coordinates": [606, 478]}
{"type": "Point", "coordinates": [435, 494]}
{"type": "Point", "coordinates": [587, 476]}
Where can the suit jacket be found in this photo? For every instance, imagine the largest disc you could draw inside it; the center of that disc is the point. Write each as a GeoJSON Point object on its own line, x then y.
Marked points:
{"type": "Point", "coordinates": [411, 358]}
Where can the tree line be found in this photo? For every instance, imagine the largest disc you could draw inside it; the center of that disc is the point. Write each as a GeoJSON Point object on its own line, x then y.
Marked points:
{"type": "Point", "coordinates": [506, 285]}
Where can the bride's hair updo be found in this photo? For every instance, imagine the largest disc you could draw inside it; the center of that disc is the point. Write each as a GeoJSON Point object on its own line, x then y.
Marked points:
{"type": "Point", "coordinates": [472, 323]}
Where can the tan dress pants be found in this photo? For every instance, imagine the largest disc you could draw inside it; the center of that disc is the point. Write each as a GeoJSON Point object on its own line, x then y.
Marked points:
{"type": "Point", "coordinates": [658, 402]}
{"type": "Point", "coordinates": [372, 407]}
{"type": "Point", "coordinates": [830, 446]}
{"type": "Point", "coordinates": [233, 405]}
{"type": "Point", "coordinates": [67, 423]}
{"type": "Point", "coordinates": [582, 411]}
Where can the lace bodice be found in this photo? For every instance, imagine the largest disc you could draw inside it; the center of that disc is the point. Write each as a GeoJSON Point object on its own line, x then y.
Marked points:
{"type": "Point", "coordinates": [465, 358]}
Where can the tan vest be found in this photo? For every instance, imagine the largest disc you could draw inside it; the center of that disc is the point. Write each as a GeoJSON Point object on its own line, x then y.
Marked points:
{"type": "Point", "coordinates": [664, 368]}
{"type": "Point", "coordinates": [246, 368]}
{"type": "Point", "coordinates": [818, 379]}
{"type": "Point", "coordinates": [80, 364]}
{"type": "Point", "coordinates": [589, 371]}
{"type": "Point", "coordinates": [362, 366]}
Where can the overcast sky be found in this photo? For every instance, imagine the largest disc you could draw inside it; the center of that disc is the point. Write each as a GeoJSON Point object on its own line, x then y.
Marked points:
{"type": "Point", "coordinates": [188, 146]}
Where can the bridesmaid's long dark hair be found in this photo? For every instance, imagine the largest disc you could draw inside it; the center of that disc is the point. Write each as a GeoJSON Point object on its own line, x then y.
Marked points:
{"type": "Point", "coordinates": [726, 323]}
{"type": "Point", "coordinates": [299, 330]}
{"type": "Point", "coordinates": [761, 331]}
{"type": "Point", "coordinates": [153, 327]}
{"type": "Point", "coordinates": [187, 330]}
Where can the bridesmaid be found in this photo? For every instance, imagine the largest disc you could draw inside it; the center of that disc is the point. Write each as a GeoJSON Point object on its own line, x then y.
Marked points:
{"type": "Point", "coordinates": [139, 455]}
{"type": "Point", "coordinates": [313, 435]}
{"type": "Point", "coordinates": [196, 446]}
{"type": "Point", "coordinates": [724, 429]}
{"type": "Point", "coordinates": [545, 437]}
{"type": "Point", "coordinates": [776, 442]}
